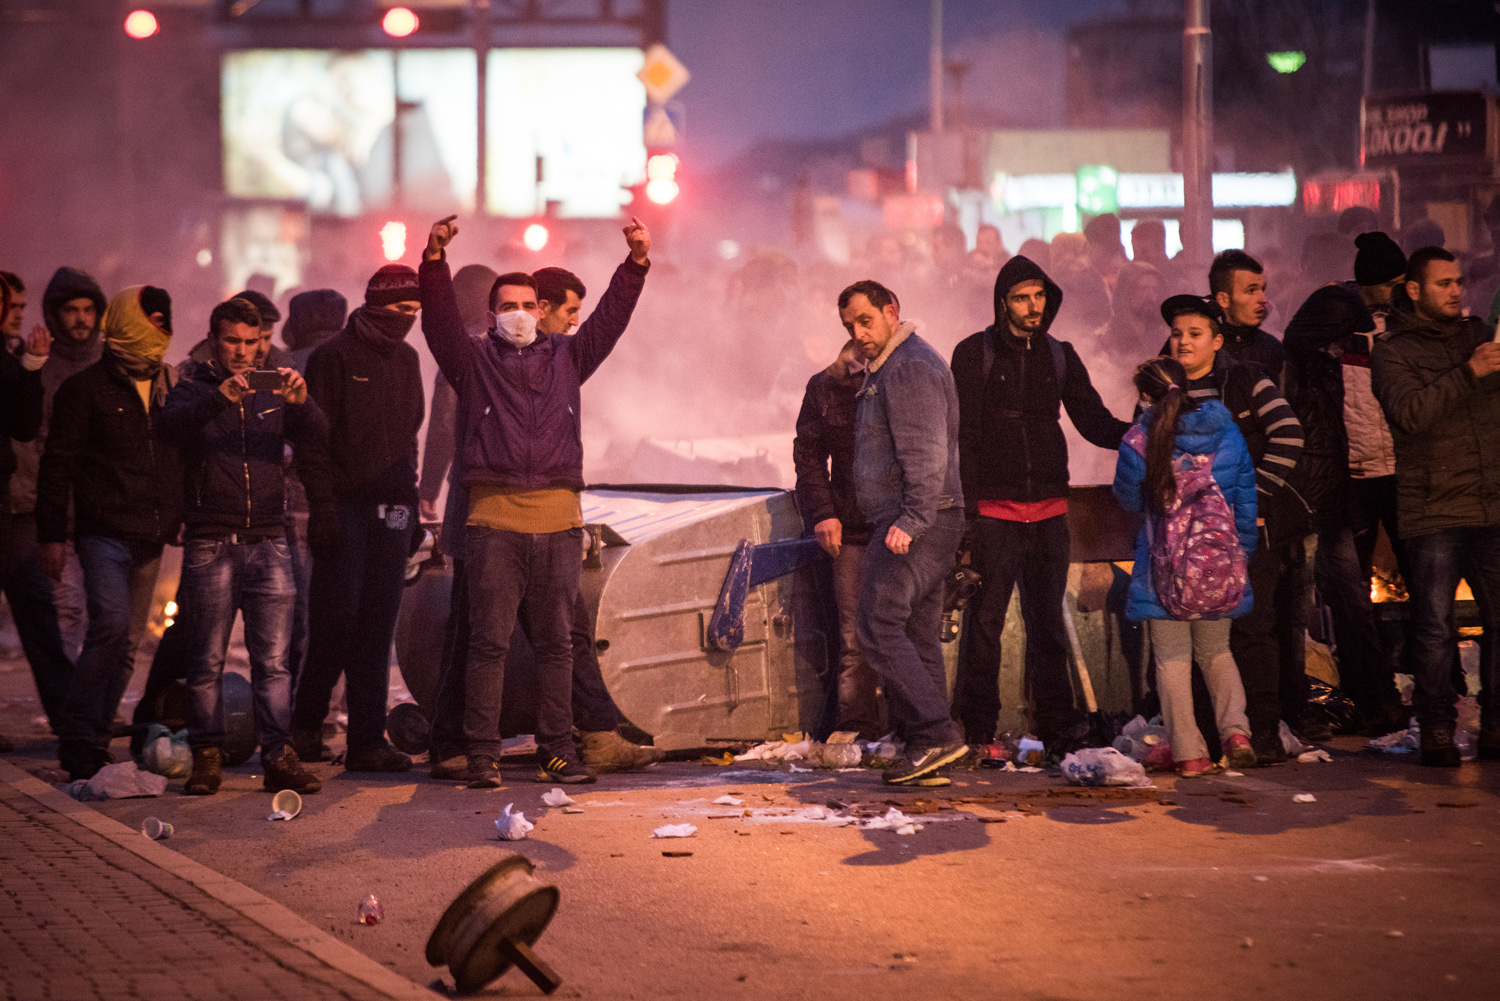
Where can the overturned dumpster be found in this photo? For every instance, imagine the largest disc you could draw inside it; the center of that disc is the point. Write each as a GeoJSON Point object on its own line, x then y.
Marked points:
{"type": "Point", "coordinates": [682, 665]}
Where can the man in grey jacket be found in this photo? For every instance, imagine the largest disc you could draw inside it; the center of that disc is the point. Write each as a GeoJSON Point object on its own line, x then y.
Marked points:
{"type": "Point", "coordinates": [906, 483]}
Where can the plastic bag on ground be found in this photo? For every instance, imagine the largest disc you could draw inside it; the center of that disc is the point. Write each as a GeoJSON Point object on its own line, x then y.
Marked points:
{"type": "Point", "coordinates": [513, 826]}
{"type": "Point", "coordinates": [166, 753]}
{"type": "Point", "coordinates": [1329, 704]}
{"type": "Point", "coordinates": [556, 797]}
{"type": "Point", "coordinates": [118, 781]}
{"type": "Point", "coordinates": [675, 831]}
{"type": "Point", "coordinates": [1139, 738]}
{"type": "Point", "coordinates": [1104, 766]}
{"type": "Point", "coordinates": [1290, 742]}
{"type": "Point", "coordinates": [894, 820]}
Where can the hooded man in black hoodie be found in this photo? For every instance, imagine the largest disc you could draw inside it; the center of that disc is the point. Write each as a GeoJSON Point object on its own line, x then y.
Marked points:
{"type": "Point", "coordinates": [73, 312]}
{"type": "Point", "coordinates": [1013, 459]}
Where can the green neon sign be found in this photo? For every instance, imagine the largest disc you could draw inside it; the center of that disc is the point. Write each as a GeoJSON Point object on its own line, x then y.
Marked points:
{"type": "Point", "coordinates": [1286, 62]}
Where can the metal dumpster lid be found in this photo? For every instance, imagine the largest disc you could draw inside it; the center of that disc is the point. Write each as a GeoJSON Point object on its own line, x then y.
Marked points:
{"type": "Point", "coordinates": [641, 512]}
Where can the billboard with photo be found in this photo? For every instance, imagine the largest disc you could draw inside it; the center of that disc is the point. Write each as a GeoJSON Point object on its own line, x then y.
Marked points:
{"type": "Point", "coordinates": [581, 112]}
{"type": "Point", "coordinates": [320, 126]}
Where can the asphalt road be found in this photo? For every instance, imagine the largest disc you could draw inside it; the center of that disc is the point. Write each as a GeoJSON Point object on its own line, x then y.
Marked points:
{"type": "Point", "coordinates": [1385, 887]}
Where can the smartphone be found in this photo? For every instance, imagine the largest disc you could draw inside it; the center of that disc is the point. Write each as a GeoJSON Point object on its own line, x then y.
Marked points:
{"type": "Point", "coordinates": [266, 380]}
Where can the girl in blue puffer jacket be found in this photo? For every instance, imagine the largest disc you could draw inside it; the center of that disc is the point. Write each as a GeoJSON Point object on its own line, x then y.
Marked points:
{"type": "Point", "coordinates": [1173, 430]}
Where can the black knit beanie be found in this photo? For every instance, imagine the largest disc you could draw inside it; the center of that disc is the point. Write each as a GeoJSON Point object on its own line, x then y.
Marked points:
{"type": "Point", "coordinates": [392, 283]}
{"type": "Point", "coordinates": [1379, 259]}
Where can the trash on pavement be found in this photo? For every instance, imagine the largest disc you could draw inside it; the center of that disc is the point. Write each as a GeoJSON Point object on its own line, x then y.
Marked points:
{"type": "Point", "coordinates": [166, 753]}
{"type": "Point", "coordinates": [795, 747]}
{"type": "Point", "coordinates": [1290, 742]}
{"type": "Point", "coordinates": [1139, 738]}
{"type": "Point", "coordinates": [572, 809]}
{"type": "Point", "coordinates": [1304, 797]}
{"type": "Point", "coordinates": [1103, 766]}
{"type": "Point", "coordinates": [370, 911]}
{"type": "Point", "coordinates": [156, 830]}
{"type": "Point", "coordinates": [513, 826]}
{"type": "Point", "coordinates": [894, 820]}
{"type": "Point", "coordinates": [1030, 751]}
{"type": "Point", "coordinates": [1316, 754]}
{"type": "Point", "coordinates": [1329, 704]}
{"type": "Point", "coordinates": [1398, 741]}
{"type": "Point", "coordinates": [556, 797]}
{"type": "Point", "coordinates": [122, 780]}
{"type": "Point", "coordinates": [494, 925]}
{"type": "Point", "coordinates": [728, 801]}
{"type": "Point", "coordinates": [675, 831]}
{"type": "Point", "coordinates": [285, 805]}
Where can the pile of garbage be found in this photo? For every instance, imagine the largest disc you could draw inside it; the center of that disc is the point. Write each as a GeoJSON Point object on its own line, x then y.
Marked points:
{"type": "Point", "coordinates": [800, 753]}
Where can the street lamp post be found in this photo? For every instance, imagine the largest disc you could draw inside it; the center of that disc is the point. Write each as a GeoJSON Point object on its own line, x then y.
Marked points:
{"type": "Point", "coordinates": [1197, 134]}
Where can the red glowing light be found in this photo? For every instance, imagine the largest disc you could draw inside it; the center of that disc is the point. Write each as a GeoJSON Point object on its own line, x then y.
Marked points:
{"type": "Point", "coordinates": [535, 237]}
{"type": "Point", "coordinates": [141, 24]}
{"type": "Point", "coordinates": [400, 22]}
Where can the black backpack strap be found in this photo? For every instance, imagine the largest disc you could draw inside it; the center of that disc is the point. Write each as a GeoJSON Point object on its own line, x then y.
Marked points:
{"type": "Point", "coordinates": [1059, 362]}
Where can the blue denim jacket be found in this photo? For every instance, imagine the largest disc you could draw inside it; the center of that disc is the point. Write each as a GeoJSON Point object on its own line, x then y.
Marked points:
{"type": "Point", "coordinates": [906, 437]}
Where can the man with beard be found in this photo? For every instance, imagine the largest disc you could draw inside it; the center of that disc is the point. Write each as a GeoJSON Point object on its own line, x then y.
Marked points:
{"type": "Point", "coordinates": [72, 311]}
{"type": "Point", "coordinates": [368, 382]}
{"type": "Point", "coordinates": [1011, 378]}
{"type": "Point", "coordinates": [106, 459]}
{"type": "Point", "coordinates": [1437, 376]}
{"type": "Point", "coordinates": [906, 481]}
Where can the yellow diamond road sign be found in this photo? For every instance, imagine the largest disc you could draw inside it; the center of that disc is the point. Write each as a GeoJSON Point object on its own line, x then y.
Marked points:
{"type": "Point", "coordinates": [663, 75]}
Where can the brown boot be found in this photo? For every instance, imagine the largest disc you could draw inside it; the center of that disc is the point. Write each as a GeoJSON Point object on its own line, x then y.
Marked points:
{"type": "Point", "coordinates": [607, 751]}
{"type": "Point", "coordinates": [208, 772]}
{"type": "Point", "coordinates": [284, 771]}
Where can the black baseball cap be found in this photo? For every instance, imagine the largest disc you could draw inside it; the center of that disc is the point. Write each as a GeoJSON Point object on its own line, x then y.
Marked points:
{"type": "Point", "coordinates": [1197, 305]}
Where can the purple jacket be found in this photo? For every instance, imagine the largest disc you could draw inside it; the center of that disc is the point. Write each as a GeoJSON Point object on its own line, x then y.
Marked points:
{"type": "Point", "coordinates": [520, 407]}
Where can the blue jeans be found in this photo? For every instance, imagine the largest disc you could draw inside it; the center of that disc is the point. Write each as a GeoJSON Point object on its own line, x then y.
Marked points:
{"type": "Point", "coordinates": [531, 579]}
{"type": "Point", "coordinates": [1438, 560]}
{"type": "Point", "coordinates": [352, 606]}
{"type": "Point", "coordinates": [218, 580]}
{"type": "Point", "coordinates": [119, 578]}
{"type": "Point", "coordinates": [30, 594]}
{"type": "Point", "coordinates": [900, 628]}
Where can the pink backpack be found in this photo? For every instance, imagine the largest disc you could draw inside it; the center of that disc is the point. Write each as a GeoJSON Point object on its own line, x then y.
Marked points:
{"type": "Point", "coordinates": [1198, 566]}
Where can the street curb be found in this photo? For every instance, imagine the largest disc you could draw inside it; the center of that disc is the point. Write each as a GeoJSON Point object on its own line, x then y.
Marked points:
{"type": "Point", "coordinates": [271, 916]}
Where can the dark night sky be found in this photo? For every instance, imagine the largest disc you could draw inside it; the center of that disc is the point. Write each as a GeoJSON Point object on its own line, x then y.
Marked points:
{"type": "Point", "coordinates": [765, 69]}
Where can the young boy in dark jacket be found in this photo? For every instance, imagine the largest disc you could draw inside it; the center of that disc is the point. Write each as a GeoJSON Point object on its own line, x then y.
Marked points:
{"type": "Point", "coordinates": [236, 555]}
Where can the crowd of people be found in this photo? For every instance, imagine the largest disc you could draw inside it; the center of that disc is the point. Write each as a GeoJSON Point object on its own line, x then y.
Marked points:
{"type": "Point", "coordinates": [290, 480]}
{"type": "Point", "coordinates": [1263, 466]}
{"type": "Point", "coordinates": [1260, 465]}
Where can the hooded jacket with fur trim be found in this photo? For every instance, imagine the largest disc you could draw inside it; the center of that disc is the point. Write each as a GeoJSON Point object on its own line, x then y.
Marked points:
{"type": "Point", "coordinates": [1011, 443]}
{"type": "Point", "coordinates": [906, 437]}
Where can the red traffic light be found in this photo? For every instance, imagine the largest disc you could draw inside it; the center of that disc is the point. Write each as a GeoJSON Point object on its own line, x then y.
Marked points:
{"type": "Point", "coordinates": [141, 24]}
{"type": "Point", "coordinates": [661, 178]}
{"type": "Point", "coordinates": [535, 237]}
{"type": "Point", "coordinates": [400, 22]}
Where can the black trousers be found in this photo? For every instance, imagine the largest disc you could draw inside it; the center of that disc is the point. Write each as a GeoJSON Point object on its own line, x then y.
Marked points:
{"type": "Point", "coordinates": [1034, 557]}
{"type": "Point", "coordinates": [29, 593]}
{"type": "Point", "coordinates": [1269, 643]}
{"type": "Point", "coordinates": [593, 707]}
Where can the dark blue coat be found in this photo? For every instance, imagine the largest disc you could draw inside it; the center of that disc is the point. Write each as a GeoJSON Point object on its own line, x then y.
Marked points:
{"type": "Point", "coordinates": [234, 453]}
{"type": "Point", "coordinates": [520, 407]}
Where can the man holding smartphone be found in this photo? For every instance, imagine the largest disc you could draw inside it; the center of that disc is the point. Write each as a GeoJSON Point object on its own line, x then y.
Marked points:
{"type": "Point", "coordinates": [232, 423]}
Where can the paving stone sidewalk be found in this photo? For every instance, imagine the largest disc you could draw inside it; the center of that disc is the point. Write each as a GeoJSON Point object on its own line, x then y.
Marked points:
{"type": "Point", "coordinates": [81, 918]}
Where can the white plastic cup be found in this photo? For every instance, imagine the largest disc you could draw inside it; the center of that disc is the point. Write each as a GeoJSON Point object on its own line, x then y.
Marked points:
{"type": "Point", "coordinates": [287, 801]}
{"type": "Point", "coordinates": [156, 830]}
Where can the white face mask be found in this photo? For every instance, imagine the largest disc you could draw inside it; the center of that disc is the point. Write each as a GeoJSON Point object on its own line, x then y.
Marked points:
{"type": "Point", "coordinates": [517, 326]}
